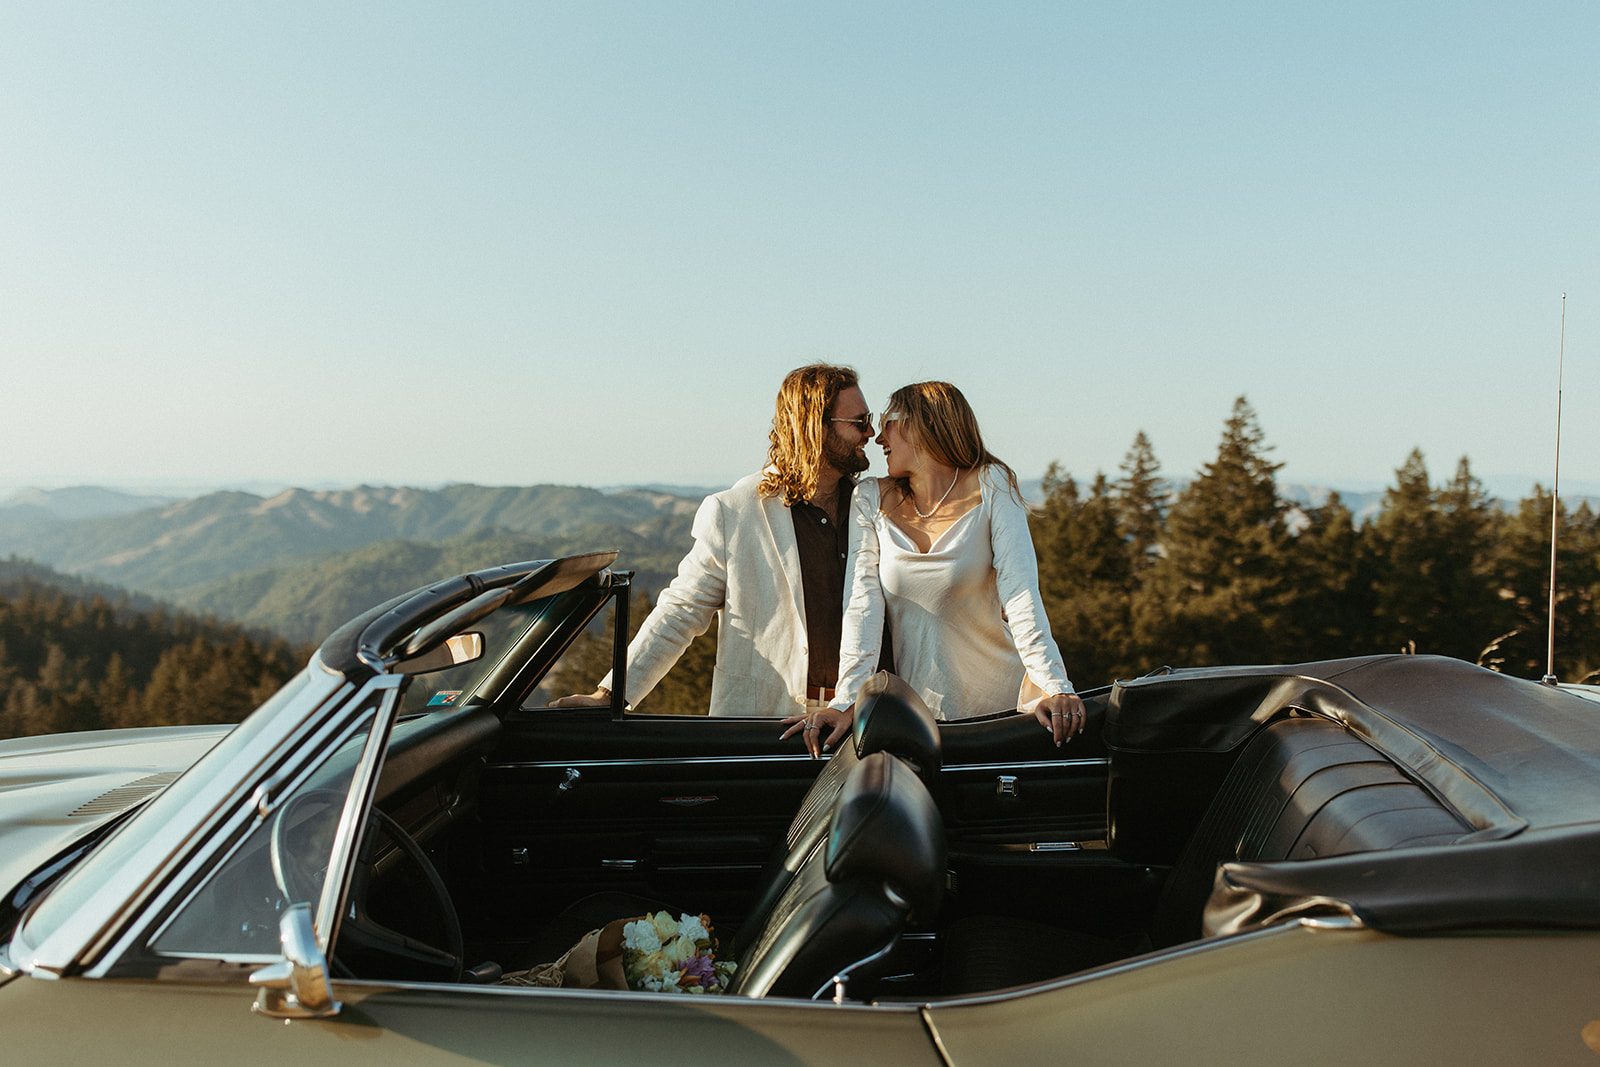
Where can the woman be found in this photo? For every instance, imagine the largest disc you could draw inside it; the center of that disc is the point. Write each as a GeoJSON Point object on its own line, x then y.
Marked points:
{"type": "Point", "coordinates": [941, 546]}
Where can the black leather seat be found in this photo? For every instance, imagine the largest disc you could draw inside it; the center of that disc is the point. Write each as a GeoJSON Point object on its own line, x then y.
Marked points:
{"type": "Point", "coordinates": [890, 717]}
{"type": "Point", "coordinates": [881, 865]}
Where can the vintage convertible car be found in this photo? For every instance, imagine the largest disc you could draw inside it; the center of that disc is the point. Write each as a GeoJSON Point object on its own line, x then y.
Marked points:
{"type": "Point", "coordinates": [1391, 859]}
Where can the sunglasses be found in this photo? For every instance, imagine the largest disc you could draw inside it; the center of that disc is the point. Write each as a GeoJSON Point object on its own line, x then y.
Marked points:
{"type": "Point", "coordinates": [860, 422]}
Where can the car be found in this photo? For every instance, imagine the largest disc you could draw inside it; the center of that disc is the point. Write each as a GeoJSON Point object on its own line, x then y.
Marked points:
{"type": "Point", "coordinates": [1391, 859]}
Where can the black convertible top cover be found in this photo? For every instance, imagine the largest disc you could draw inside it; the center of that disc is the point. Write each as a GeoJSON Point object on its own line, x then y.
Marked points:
{"type": "Point", "coordinates": [1518, 760]}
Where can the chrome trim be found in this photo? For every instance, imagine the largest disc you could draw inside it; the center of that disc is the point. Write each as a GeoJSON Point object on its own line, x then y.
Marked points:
{"type": "Point", "coordinates": [1332, 922]}
{"type": "Point", "coordinates": [299, 986]}
{"type": "Point", "coordinates": [352, 989]}
{"type": "Point", "coordinates": [663, 761]}
{"type": "Point", "coordinates": [341, 866]}
{"type": "Point", "coordinates": [1031, 765]}
{"type": "Point", "coordinates": [840, 980]}
{"type": "Point", "coordinates": [267, 794]}
{"type": "Point", "coordinates": [776, 757]}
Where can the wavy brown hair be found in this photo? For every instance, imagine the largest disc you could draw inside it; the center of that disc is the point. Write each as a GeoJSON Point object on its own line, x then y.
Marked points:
{"type": "Point", "coordinates": [799, 426]}
{"type": "Point", "coordinates": [937, 418]}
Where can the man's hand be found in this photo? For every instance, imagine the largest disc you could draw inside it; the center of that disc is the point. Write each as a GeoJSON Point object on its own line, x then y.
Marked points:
{"type": "Point", "coordinates": [812, 724]}
{"type": "Point", "coordinates": [600, 698]}
{"type": "Point", "coordinates": [1063, 715]}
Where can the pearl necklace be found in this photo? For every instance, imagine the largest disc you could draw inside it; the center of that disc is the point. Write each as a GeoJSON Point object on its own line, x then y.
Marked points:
{"type": "Point", "coordinates": [933, 510]}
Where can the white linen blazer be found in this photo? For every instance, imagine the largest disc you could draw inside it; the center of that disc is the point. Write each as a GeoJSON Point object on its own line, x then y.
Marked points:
{"type": "Point", "coordinates": [745, 569]}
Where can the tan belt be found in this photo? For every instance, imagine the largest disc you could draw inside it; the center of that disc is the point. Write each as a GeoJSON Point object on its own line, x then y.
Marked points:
{"type": "Point", "coordinates": [818, 692]}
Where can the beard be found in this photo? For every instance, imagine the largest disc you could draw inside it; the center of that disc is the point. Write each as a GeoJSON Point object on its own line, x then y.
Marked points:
{"type": "Point", "coordinates": [841, 455]}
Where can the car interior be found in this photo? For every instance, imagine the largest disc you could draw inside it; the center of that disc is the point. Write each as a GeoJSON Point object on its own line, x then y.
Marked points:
{"type": "Point", "coordinates": [920, 859]}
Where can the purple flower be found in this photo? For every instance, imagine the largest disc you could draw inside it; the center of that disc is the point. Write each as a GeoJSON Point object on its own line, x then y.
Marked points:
{"type": "Point", "coordinates": [699, 971]}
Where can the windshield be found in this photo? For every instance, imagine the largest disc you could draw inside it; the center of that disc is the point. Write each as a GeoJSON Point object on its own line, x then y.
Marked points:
{"type": "Point", "coordinates": [158, 827]}
{"type": "Point", "coordinates": [505, 632]}
{"type": "Point", "coordinates": [285, 860]}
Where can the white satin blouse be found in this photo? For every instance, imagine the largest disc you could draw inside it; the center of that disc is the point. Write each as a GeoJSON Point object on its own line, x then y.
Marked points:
{"type": "Point", "coordinates": [966, 619]}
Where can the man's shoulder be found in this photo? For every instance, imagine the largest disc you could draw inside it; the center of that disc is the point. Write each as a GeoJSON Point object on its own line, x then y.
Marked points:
{"type": "Point", "coordinates": [743, 491]}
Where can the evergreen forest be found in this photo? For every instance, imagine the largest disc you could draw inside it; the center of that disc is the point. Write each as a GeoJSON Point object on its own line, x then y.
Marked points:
{"type": "Point", "coordinates": [1136, 576]}
{"type": "Point", "coordinates": [1135, 571]}
{"type": "Point", "coordinates": [87, 658]}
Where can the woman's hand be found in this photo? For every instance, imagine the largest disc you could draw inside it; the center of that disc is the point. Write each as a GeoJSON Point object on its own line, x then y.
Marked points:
{"type": "Point", "coordinates": [1063, 715]}
{"type": "Point", "coordinates": [812, 724]}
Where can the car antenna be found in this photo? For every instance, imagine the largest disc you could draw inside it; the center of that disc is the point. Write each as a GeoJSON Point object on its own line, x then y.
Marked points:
{"type": "Point", "coordinates": [1555, 503]}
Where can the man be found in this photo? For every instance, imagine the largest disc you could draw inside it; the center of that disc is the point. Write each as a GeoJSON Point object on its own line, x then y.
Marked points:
{"type": "Point", "coordinates": [769, 555]}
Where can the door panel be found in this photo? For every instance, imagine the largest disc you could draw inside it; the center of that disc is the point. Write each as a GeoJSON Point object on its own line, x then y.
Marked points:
{"type": "Point", "coordinates": [688, 810]}
{"type": "Point", "coordinates": [682, 810]}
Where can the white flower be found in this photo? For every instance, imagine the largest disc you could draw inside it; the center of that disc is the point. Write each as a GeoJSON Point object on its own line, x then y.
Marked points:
{"type": "Point", "coordinates": [691, 927]}
{"type": "Point", "coordinates": [641, 936]}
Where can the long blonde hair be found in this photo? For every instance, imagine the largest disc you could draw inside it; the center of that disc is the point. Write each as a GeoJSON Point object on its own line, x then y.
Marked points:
{"type": "Point", "coordinates": [799, 427]}
{"type": "Point", "coordinates": [937, 418]}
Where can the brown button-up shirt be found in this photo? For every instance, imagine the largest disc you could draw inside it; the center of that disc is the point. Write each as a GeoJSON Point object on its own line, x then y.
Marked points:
{"type": "Point", "coordinates": [824, 541]}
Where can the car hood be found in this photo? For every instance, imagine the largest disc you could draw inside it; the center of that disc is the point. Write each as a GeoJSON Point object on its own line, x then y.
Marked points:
{"type": "Point", "coordinates": [56, 789]}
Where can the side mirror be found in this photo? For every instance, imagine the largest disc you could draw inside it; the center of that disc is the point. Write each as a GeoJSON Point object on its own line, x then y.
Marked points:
{"type": "Point", "coordinates": [298, 987]}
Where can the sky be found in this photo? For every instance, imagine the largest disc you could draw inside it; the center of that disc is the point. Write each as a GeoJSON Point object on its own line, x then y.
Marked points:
{"type": "Point", "coordinates": [325, 244]}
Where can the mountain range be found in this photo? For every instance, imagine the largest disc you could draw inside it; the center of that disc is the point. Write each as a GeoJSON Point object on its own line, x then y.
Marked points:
{"type": "Point", "coordinates": [301, 562]}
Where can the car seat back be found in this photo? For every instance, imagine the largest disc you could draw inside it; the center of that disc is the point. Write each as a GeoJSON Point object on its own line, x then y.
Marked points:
{"type": "Point", "coordinates": [882, 864]}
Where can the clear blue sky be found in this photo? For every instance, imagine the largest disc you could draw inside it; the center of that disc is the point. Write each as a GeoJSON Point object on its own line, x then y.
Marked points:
{"type": "Point", "coordinates": [325, 243]}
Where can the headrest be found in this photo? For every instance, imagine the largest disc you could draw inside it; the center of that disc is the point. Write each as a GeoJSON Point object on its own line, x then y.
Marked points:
{"type": "Point", "coordinates": [885, 828]}
{"type": "Point", "coordinates": [891, 717]}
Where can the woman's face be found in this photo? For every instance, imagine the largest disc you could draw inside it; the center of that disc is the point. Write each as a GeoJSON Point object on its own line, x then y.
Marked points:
{"type": "Point", "coordinates": [899, 454]}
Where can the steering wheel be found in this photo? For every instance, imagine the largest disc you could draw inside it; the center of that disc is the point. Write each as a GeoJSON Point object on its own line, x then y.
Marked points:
{"type": "Point", "coordinates": [302, 840]}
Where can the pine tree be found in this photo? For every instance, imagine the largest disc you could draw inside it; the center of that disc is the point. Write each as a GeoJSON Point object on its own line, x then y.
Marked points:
{"type": "Point", "coordinates": [1471, 614]}
{"type": "Point", "coordinates": [1406, 543]}
{"type": "Point", "coordinates": [1141, 498]}
{"type": "Point", "coordinates": [1085, 578]}
{"type": "Point", "coordinates": [1216, 594]}
{"type": "Point", "coordinates": [1329, 570]}
{"type": "Point", "coordinates": [1524, 577]}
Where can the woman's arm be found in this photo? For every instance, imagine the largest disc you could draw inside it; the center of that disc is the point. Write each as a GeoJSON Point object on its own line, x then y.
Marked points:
{"type": "Point", "coordinates": [862, 641]}
{"type": "Point", "coordinates": [1017, 580]}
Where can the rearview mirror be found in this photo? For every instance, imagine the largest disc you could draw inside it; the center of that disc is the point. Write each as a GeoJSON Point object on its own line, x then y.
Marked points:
{"type": "Point", "coordinates": [462, 648]}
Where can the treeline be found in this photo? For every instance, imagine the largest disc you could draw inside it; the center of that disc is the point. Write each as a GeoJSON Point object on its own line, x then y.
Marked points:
{"type": "Point", "coordinates": [80, 661]}
{"type": "Point", "coordinates": [1135, 575]}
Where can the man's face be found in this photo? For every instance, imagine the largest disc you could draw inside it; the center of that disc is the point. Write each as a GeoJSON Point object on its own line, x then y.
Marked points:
{"type": "Point", "coordinates": [844, 446]}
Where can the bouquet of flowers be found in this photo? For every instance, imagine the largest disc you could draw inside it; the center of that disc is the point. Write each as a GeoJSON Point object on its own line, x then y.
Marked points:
{"type": "Point", "coordinates": [653, 953]}
{"type": "Point", "coordinates": [661, 954]}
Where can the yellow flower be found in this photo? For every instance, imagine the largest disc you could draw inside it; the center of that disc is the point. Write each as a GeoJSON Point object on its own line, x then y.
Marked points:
{"type": "Point", "coordinates": [666, 926]}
